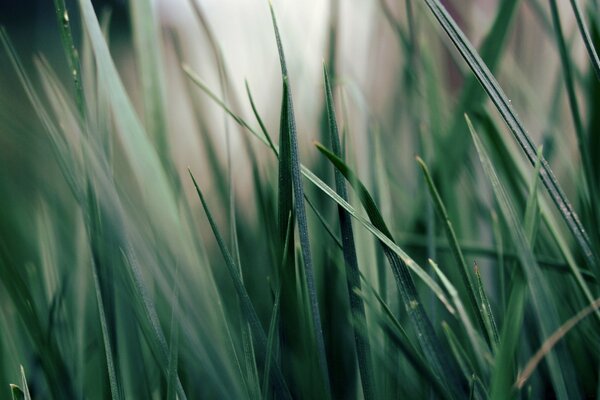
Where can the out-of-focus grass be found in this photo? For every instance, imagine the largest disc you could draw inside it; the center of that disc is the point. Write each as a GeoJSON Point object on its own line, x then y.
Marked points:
{"type": "Point", "coordinates": [116, 284]}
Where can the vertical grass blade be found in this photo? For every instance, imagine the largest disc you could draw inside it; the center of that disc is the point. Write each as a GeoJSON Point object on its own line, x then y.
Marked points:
{"type": "Point", "coordinates": [456, 251]}
{"type": "Point", "coordinates": [587, 39]}
{"type": "Point", "coordinates": [502, 103]}
{"type": "Point", "coordinates": [559, 364]}
{"type": "Point", "coordinates": [352, 271]}
{"type": "Point", "coordinates": [300, 211]}
{"type": "Point", "coordinates": [434, 353]}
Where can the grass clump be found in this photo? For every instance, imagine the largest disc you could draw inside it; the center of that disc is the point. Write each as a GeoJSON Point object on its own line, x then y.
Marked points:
{"type": "Point", "coordinates": [472, 273]}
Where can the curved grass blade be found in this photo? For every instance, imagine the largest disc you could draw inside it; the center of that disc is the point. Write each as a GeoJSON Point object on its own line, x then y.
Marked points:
{"type": "Point", "coordinates": [17, 393]}
{"type": "Point", "coordinates": [434, 353]}
{"type": "Point", "coordinates": [552, 341]}
{"type": "Point", "coordinates": [357, 306]}
{"type": "Point", "coordinates": [300, 211]}
{"type": "Point", "coordinates": [245, 302]}
{"type": "Point", "coordinates": [456, 251]}
{"type": "Point", "coordinates": [502, 103]}
{"type": "Point", "coordinates": [559, 364]}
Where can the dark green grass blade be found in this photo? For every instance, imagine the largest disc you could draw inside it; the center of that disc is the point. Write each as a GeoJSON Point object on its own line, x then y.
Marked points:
{"type": "Point", "coordinates": [300, 211]}
{"type": "Point", "coordinates": [394, 330]}
{"type": "Point", "coordinates": [587, 39]}
{"type": "Point", "coordinates": [17, 393]}
{"type": "Point", "coordinates": [502, 103]}
{"type": "Point", "coordinates": [559, 364]}
{"type": "Point", "coordinates": [434, 353]}
{"type": "Point", "coordinates": [64, 26]}
{"type": "Point", "coordinates": [567, 68]}
{"type": "Point", "coordinates": [173, 342]}
{"type": "Point", "coordinates": [245, 302]}
{"type": "Point", "coordinates": [486, 310]}
{"type": "Point", "coordinates": [504, 365]}
{"type": "Point", "coordinates": [352, 271]}
{"type": "Point", "coordinates": [456, 250]}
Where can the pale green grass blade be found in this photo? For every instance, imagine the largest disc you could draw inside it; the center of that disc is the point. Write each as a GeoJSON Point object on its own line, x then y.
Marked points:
{"type": "Point", "coordinates": [246, 304]}
{"type": "Point", "coordinates": [17, 393]}
{"type": "Point", "coordinates": [465, 273]}
{"type": "Point", "coordinates": [149, 54]}
{"type": "Point", "coordinates": [559, 364]}
{"type": "Point", "coordinates": [300, 212]}
{"type": "Point", "coordinates": [24, 386]}
{"type": "Point", "coordinates": [503, 105]}
{"type": "Point", "coordinates": [349, 249]}
{"type": "Point", "coordinates": [430, 345]}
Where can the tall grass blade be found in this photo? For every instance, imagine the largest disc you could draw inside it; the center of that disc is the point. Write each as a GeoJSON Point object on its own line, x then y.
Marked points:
{"type": "Point", "coordinates": [587, 38]}
{"type": "Point", "coordinates": [559, 364]}
{"type": "Point", "coordinates": [300, 211]}
{"type": "Point", "coordinates": [245, 302]}
{"type": "Point", "coordinates": [352, 271]}
{"type": "Point", "coordinates": [456, 251]}
{"type": "Point", "coordinates": [434, 353]}
{"type": "Point", "coordinates": [503, 104]}
{"type": "Point", "coordinates": [24, 386]}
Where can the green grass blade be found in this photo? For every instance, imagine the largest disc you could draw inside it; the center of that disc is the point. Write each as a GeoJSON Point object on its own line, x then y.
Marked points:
{"type": "Point", "coordinates": [502, 103]}
{"type": "Point", "coordinates": [456, 251]}
{"type": "Point", "coordinates": [486, 310]}
{"type": "Point", "coordinates": [300, 211]}
{"type": "Point", "coordinates": [245, 302]}
{"type": "Point", "coordinates": [148, 51]}
{"type": "Point", "coordinates": [434, 353]}
{"type": "Point", "coordinates": [552, 341]}
{"type": "Point", "coordinates": [559, 364]}
{"type": "Point", "coordinates": [587, 39]}
{"type": "Point", "coordinates": [24, 386]}
{"type": "Point", "coordinates": [349, 249]}
{"type": "Point", "coordinates": [64, 26]}
{"type": "Point", "coordinates": [17, 393]}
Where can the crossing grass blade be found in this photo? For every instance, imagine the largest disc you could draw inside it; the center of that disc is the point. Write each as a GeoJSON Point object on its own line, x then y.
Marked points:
{"type": "Point", "coordinates": [352, 271]}
{"type": "Point", "coordinates": [245, 301]}
{"type": "Point", "coordinates": [289, 130]}
{"type": "Point", "coordinates": [308, 174]}
{"type": "Point", "coordinates": [456, 250]}
{"type": "Point", "coordinates": [559, 364]}
{"type": "Point", "coordinates": [434, 354]}
{"type": "Point", "coordinates": [504, 107]}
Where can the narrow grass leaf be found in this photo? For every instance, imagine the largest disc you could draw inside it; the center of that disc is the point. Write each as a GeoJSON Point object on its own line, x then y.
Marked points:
{"type": "Point", "coordinates": [357, 306]}
{"type": "Point", "coordinates": [552, 341]}
{"type": "Point", "coordinates": [246, 303]}
{"type": "Point", "coordinates": [300, 211]}
{"type": "Point", "coordinates": [559, 364]}
{"type": "Point", "coordinates": [456, 251]}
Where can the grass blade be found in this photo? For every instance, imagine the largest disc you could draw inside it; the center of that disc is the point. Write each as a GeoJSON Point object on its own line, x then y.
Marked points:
{"type": "Point", "coordinates": [456, 251]}
{"type": "Point", "coordinates": [587, 39]}
{"type": "Point", "coordinates": [434, 354]}
{"type": "Point", "coordinates": [352, 271]}
{"type": "Point", "coordinates": [502, 103]}
{"type": "Point", "coordinates": [545, 310]}
{"type": "Point", "coordinates": [245, 302]}
{"type": "Point", "coordinates": [553, 340]}
{"type": "Point", "coordinates": [300, 211]}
